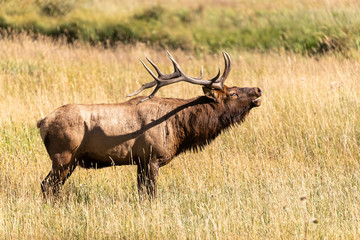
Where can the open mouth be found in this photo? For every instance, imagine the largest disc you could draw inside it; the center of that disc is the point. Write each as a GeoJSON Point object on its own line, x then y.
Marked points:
{"type": "Point", "coordinates": [256, 102]}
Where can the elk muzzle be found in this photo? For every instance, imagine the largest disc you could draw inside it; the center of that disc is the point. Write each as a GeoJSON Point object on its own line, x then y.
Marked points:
{"type": "Point", "coordinates": [256, 102]}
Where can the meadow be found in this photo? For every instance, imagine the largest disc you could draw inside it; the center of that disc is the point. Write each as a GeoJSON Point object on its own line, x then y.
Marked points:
{"type": "Point", "coordinates": [290, 171]}
{"type": "Point", "coordinates": [309, 27]}
{"type": "Point", "coordinates": [302, 143]}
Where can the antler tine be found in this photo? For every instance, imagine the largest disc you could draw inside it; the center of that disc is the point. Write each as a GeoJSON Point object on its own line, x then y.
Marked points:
{"type": "Point", "coordinates": [178, 69]}
{"type": "Point", "coordinates": [143, 87]}
{"type": "Point", "coordinates": [216, 78]}
{"type": "Point", "coordinates": [151, 95]}
{"type": "Point", "coordinates": [176, 72]}
{"type": "Point", "coordinates": [155, 67]}
{"type": "Point", "coordinates": [158, 80]}
{"type": "Point", "coordinates": [227, 66]}
{"type": "Point", "coordinates": [218, 83]}
{"type": "Point", "coordinates": [178, 75]}
{"type": "Point", "coordinates": [151, 73]}
{"type": "Point", "coordinates": [146, 85]}
{"type": "Point", "coordinates": [176, 65]}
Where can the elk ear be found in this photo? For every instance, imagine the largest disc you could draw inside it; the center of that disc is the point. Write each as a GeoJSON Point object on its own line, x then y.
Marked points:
{"type": "Point", "coordinates": [211, 93]}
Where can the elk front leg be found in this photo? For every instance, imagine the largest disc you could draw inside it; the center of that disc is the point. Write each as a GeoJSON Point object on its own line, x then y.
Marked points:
{"type": "Point", "coordinates": [147, 175]}
{"type": "Point", "coordinates": [152, 185]}
{"type": "Point", "coordinates": [141, 179]}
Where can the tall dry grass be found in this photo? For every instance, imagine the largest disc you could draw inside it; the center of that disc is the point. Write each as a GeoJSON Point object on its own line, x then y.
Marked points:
{"type": "Point", "coordinates": [303, 142]}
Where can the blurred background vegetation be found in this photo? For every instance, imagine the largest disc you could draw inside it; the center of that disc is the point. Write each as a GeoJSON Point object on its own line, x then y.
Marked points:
{"type": "Point", "coordinates": [308, 27]}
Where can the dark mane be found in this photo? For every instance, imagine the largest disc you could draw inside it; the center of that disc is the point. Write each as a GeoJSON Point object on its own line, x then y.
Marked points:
{"type": "Point", "coordinates": [203, 121]}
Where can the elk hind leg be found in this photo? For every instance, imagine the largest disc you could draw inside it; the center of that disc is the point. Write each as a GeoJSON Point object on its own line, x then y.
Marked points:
{"type": "Point", "coordinates": [63, 164]}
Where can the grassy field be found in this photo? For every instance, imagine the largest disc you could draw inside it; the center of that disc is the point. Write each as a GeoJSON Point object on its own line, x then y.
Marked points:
{"type": "Point", "coordinates": [309, 27]}
{"type": "Point", "coordinates": [290, 171]}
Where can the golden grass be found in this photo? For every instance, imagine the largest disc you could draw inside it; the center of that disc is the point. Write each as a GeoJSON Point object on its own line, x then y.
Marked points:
{"type": "Point", "coordinates": [303, 141]}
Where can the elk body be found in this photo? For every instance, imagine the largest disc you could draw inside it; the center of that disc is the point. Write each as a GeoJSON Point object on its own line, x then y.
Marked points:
{"type": "Point", "coordinates": [147, 132]}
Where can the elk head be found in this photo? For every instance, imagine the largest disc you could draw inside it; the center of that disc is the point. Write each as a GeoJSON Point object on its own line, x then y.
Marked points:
{"type": "Point", "coordinates": [213, 88]}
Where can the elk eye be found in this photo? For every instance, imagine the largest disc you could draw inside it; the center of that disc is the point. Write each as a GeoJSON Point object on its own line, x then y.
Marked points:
{"type": "Point", "coordinates": [233, 94]}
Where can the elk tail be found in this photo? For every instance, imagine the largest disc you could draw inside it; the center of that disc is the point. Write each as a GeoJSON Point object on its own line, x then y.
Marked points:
{"type": "Point", "coordinates": [38, 124]}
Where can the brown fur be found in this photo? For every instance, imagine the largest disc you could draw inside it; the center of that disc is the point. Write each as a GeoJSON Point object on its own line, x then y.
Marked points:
{"type": "Point", "coordinates": [149, 134]}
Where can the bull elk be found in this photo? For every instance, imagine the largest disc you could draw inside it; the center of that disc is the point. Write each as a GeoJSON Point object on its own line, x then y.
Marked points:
{"type": "Point", "coordinates": [148, 132]}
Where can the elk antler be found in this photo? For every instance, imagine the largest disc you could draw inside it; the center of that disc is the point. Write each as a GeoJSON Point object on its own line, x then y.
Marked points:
{"type": "Point", "coordinates": [178, 75]}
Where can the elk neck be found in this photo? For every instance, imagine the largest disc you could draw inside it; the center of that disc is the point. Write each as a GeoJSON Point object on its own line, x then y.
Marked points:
{"type": "Point", "coordinates": [203, 120]}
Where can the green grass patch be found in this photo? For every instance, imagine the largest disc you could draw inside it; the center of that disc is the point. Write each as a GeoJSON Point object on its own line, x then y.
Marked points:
{"type": "Point", "coordinates": [308, 31]}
